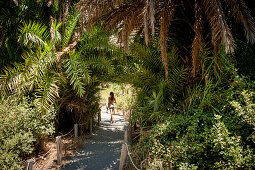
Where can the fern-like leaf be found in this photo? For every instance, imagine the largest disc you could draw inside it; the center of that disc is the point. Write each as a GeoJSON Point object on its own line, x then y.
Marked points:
{"type": "Point", "coordinates": [33, 33]}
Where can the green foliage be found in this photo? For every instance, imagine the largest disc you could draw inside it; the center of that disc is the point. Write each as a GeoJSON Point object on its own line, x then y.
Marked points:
{"type": "Point", "coordinates": [77, 71]}
{"type": "Point", "coordinates": [245, 57]}
{"type": "Point", "coordinates": [177, 124]}
{"type": "Point", "coordinates": [247, 110]}
{"type": "Point", "coordinates": [155, 94]}
{"type": "Point", "coordinates": [231, 152]}
{"type": "Point", "coordinates": [21, 126]}
{"type": "Point", "coordinates": [33, 33]}
{"type": "Point", "coordinates": [70, 25]}
{"type": "Point", "coordinates": [12, 18]}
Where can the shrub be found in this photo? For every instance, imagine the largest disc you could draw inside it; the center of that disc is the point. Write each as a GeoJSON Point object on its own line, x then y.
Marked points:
{"type": "Point", "coordinates": [22, 125]}
{"type": "Point", "coordinates": [190, 137]}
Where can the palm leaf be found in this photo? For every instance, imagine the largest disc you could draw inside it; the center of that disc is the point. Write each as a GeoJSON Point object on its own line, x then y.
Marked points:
{"type": "Point", "coordinates": [72, 20]}
{"type": "Point", "coordinates": [242, 13]}
{"type": "Point", "coordinates": [33, 33]}
{"type": "Point", "coordinates": [78, 73]}
{"type": "Point", "coordinates": [219, 27]}
{"type": "Point", "coordinates": [47, 92]}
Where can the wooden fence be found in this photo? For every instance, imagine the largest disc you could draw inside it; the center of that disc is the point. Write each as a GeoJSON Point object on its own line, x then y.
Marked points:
{"type": "Point", "coordinates": [30, 164]}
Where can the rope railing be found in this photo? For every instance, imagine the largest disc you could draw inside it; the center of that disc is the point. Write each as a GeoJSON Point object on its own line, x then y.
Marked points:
{"type": "Point", "coordinates": [68, 132]}
{"type": "Point", "coordinates": [124, 152]}
{"type": "Point", "coordinates": [31, 164]}
{"type": "Point", "coordinates": [131, 157]}
{"type": "Point", "coordinates": [42, 157]}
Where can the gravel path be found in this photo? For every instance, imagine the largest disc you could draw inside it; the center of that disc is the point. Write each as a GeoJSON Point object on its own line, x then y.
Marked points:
{"type": "Point", "coordinates": [102, 150]}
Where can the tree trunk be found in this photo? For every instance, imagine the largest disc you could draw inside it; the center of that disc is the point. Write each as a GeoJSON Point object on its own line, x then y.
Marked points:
{"type": "Point", "coordinates": [67, 6]}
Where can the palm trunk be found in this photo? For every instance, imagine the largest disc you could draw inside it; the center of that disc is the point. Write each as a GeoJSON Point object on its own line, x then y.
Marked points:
{"type": "Point", "coordinates": [67, 6]}
{"type": "Point", "coordinates": [52, 34]}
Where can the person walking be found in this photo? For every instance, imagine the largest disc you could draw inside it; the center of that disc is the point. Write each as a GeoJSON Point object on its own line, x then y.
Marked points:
{"type": "Point", "coordinates": [111, 101]}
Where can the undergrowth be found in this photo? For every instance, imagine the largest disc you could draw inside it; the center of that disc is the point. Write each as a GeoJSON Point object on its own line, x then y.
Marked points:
{"type": "Point", "coordinates": [22, 127]}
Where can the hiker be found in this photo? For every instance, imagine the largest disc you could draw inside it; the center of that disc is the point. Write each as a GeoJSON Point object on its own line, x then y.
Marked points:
{"type": "Point", "coordinates": [111, 101]}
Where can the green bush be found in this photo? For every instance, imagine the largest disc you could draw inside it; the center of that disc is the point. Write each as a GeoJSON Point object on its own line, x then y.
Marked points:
{"type": "Point", "coordinates": [21, 126]}
{"type": "Point", "coordinates": [188, 136]}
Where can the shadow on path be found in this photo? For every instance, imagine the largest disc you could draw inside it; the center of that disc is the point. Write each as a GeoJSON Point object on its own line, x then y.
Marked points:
{"type": "Point", "coordinates": [102, 150]}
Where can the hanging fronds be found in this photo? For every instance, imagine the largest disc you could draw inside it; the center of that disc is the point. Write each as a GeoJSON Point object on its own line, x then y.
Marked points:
{"type": "Point", "coordinates": [131, 22]}
{"type": "Point", "coordinates": [142, 18]}
{"type": "Point", "coordinates": [152, 16]}
{"type": "Point", "coordinates": [94, 9]}
{"type": "Point", "coordinates": [146, 25]}
{"type": "Point", "coordinates": [166, 17]}
{"type": "Point", "coordinates": [78, 73]}
{"type": "Point", "coordinates": [242, 13]}
{"type": "Point", "coordinates": [219, 27]}
{"type": "Point", "coordinates": [197, 42]}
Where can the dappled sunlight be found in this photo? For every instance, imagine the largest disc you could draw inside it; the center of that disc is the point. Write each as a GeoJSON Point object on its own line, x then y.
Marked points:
{"type": "Point", "coordinates": [102, 150]}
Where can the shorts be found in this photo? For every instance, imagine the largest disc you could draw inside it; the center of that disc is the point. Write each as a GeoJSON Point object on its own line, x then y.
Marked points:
{"type": "Point", "coordinates": [111, 106]}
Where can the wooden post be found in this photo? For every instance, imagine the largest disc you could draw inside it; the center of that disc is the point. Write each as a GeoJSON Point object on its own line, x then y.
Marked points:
{"type": "Point", "coordinates": [90, 125]}
{"type": "Point", "coordinates": [29, 164]}
{"type": "Point", "coordinates": [123, 157]}
{"type": "Point", "coordinates": [75, 131]}
{"type": "Point", "coordinates": [130, 127]}
{"type": "Point", "coordinates": [98, 120]}
{"type": "Point", "coordinates": [59, 150]}
{"type": "Point", "coordinates": [126, 136]}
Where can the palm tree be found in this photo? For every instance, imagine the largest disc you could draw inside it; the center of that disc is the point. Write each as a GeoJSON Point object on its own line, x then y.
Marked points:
{"type": "Point", "coordinates": [83, 67]}
{"type": "Point", "coordinates": [204, 21]}
{"type": "Point", "coordinates": [12, 15]}
{"type": "Point", "coordinates": [38, 74]}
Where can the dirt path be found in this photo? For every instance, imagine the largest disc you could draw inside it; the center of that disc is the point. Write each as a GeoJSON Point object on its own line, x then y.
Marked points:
{"type": "Point", "coordinates": [102, 150]}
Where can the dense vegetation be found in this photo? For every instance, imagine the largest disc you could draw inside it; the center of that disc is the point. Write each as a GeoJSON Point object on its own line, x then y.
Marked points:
{"type": "Point", "coordinates": [194, 105]}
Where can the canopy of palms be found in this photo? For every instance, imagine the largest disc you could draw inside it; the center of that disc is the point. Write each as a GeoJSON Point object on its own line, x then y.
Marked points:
{"type": "Point", "coordinates": [203, 21]}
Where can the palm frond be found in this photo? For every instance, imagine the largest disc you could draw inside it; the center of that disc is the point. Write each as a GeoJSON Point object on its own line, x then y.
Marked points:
{"type": "Point", "coordinates": [57, 36]}
{"type": "Point", "coordinates": [177, 77]}
{"type": "Point", "coordinates": [97, 39]}
{"type": "Point", "coordinates": [220, 30]}
{"type": "Point", "coordinates": [152, 16]}
{"type": "Point", "coordinates": [77, 72]}
{"type": "Point", "coordinates": [197, 42]}
{"type": "Point", "coordinates": [242, 13]}
{"type": "Point", "coordinates": [166, 17]}
{"type": "Point", "coordinates": [11, 79]}
{"type": "Point", "coordinates": [99, 64]}
{"type": "Point", "coordinates": [47, 92]}
{"type": "Point", "coordinates": [33, 33]}
{"type": "Point", "coordinates": [72, 20]}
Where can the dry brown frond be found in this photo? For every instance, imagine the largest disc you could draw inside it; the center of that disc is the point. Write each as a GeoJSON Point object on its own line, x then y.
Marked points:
{"type": "Point", "coordinates": [152, 16]}
{"type": "Point", "coordinates": [197, 42]}
{"type": "Point", "coordinates": [130, 19]}
{"type": "Point", "coordinates": [219, 27]}
{"type": "Point", "coordinates": [242, 13]}
{"type": "Point", "coordinates": [166, 17]}
{"type": "Point", "coordinates": [92, 10]}
{"type": "Point", "coordinates": [146, 25]}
